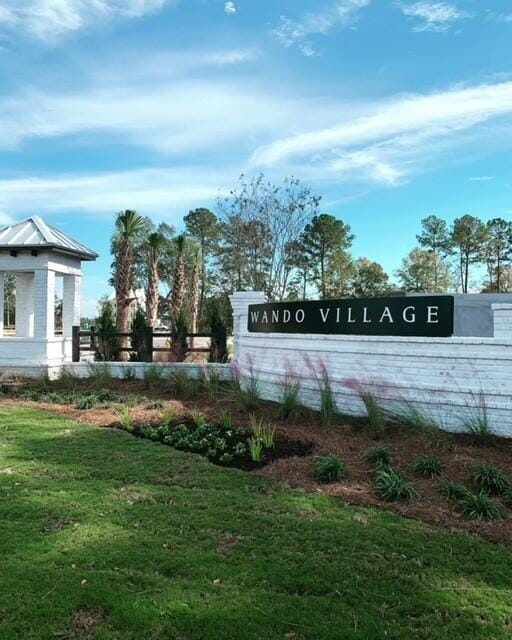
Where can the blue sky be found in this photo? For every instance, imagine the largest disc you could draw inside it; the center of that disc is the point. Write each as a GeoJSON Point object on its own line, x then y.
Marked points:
{"type": "Point", "coordinates": [392, 110]}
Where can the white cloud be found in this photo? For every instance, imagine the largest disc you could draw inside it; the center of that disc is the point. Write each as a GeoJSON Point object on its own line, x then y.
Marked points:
{"type": "Point", "coordinates": [481, 178]}
{"type": "Point", "coordinates": [230, 8]}
{"type": "Point", "coordinates": [49, 19]}
{"type": "Point", "coordinates": [386, 144]}
{"type": "Point", "coordinates": [341, 14]}
{"type": "Point", "coordinates": [433, 16]}
{"type": "Point", "coordinates": [154, 191]}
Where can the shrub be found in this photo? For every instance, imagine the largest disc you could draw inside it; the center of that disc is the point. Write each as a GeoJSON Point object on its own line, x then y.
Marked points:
{"type": "Point", "coordinates": [264, 432]}
{"type": "Point", "coordinates": [255, 449]}
{"type": "Point", "coordinates": [154, 405]}
{"type": "Point", "coordinates": [379, 455]}
{"type": "Point", "coordinates": [289, 401]}
{"type": "Point", "coordinates": [392, 486]}
{"type": "Point", "coordinates": [328, 407]}
{"type": "Point", "coordinates": [452, 490]}
{"type": "Point", "coordinates": [480, 506]}
{"type": "Point", "coordinates": [376, 414]}
{"type": "Point", "coordinates": [329, 468]}
{"type": "Point", "coordinates": [211, 383]}
{"type": "Point", "coordinates": [68, 380]}
{"type": "Point", "coordinates": [428, 467]}
{"type": "Point", "coordinates": [490, 479]}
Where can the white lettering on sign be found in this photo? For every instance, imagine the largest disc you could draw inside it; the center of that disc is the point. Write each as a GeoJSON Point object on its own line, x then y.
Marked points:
{"type": "Point", "coordinates": [365, 315]}
{"type": "Point", "coordinates": [324, 313]}
{"type": "Point", "coordinates": [254, 316]}
{"type": "Point", "coordinates": [386, 314]}
{"type": "Point", "coordinates": [264, 317]}
{"type": "Point", "coordinates": [409, 317]}
{"type": "Point", "coordinates": [350, 318]}
{"type": "Point", "coordinates": [299, 315]}
{"type": "Point", "coordinates": [432, 315]}
{"type": "Point", "coordinates": [286, 315]}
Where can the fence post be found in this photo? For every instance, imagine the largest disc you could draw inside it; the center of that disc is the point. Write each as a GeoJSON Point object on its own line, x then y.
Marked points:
{"type": "Point", "coordinates": [75, 337]}
{"type": "Point", "coordinates": [219, 346]}
{"type": "Point", "coordinates": [92, 343]}
{"type": "Point", "coordinates": [148, 344]}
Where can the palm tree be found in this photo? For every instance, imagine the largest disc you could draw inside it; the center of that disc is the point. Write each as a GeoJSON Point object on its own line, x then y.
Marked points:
{"type": "Point", "coordinates": [128, 226]}
{"type": "Point", "coordinates": [178, 285]}
{"type": "Point", "coordinates": [154, 245]}
{"type": "Point", "coordinates": [195, 291]}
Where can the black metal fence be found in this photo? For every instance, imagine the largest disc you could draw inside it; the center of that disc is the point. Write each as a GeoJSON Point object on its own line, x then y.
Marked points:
{"type": "Point", "coordinates": [142, 345]}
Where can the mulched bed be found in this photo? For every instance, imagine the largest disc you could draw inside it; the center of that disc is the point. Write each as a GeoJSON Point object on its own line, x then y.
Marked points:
{"type": "Point", "coordinates": [298, 441]}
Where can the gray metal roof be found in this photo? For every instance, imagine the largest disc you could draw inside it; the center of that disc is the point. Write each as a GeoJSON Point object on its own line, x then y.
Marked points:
{"type": "Point", "coordinates": [35, 233]}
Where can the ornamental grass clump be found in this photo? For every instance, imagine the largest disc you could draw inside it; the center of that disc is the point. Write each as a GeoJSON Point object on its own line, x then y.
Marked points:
{"type": "Point", "coordinates": [329, 468]}
{"type": "Point", "coordinates": [480, 506]}
{"type": "Point", "coordinates": [289, 401]}
{"type": "Point", "coordinates": [264, 432]}
{"type": "Point", "coordinates": [379, 455]}
{"type": "Point", "coordinates": [184, 386]}
{"type": "Point", "coordinates": [428, 467]}
{"type": "Point", "coordinates": [490, 479]}
{"type": "Point", "coordinates": [226, 419]}
{"type": "Point", "coordinates": [126, 419]}
{"type": "Point", "coordinates": [153, 376]}
{"type": "Point", "coordinates": [376, 414]}
{"type": "Point", "coordinates": [477, 423]}
{"type": "Point", "coordinates": [255, 449]}
{"type": "Point", "coordinates": [453, 491]}
{"type": "Point", "coordinates": [391, 485]}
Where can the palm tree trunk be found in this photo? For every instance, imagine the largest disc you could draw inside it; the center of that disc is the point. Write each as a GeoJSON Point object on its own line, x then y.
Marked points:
{"type": "Point", "coordinates": [153, 295]}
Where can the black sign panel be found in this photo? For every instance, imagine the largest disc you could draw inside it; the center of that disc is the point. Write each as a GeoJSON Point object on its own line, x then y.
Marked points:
{"type": "Point", "coordinates": [429, 316]}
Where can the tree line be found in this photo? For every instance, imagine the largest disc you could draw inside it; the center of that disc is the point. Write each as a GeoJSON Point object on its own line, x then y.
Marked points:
{"type": "Point", "coordinates": [274, 238]}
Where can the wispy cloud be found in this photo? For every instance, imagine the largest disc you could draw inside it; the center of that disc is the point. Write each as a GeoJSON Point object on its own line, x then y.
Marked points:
{"type": "Point", "coordinates": [433, 16]}
{"type": "Point", "coordinates": [481, 178]}
{"type": "Point", "coordinates": [339, 14]}
{"type": "Point", "coordinates": [230, 8]}
{"type": "Point", "coordinates": [49, 19]}
{"type": "Point", "coordinates": [161, 192]}
{"type": "Point", "coordinates": [385, 144]}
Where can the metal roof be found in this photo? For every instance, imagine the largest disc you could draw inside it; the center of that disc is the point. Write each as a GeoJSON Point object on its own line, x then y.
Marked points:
{"type": "Point", "coordinates": [35, 233]}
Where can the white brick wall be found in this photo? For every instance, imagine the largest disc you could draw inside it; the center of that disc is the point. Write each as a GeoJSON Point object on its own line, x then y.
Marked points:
{"type": "Point", "coordinates": [445, 377]}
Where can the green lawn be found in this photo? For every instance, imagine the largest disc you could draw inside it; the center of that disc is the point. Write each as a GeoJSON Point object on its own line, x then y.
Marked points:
{"type": "Point", "coordinates": [107, 536]}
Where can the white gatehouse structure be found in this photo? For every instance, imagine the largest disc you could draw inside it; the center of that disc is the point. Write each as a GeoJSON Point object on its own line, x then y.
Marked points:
{"type": "Point", "coordinates": [36, 254]}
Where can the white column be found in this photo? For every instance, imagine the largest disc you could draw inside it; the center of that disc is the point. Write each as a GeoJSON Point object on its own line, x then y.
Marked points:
{"type": "Point", "coordinates": [25, 305]}
{"type": "Point", "coordinates": [240, 302]}
{"type": "Point", "coordinates": [2, 303]}
{"type": "Point", "coordinates": [70, 303]}
{"type": "Point", "coordinates": [502, 320]}
{"type": "Point", "coordinates": [44, 303]}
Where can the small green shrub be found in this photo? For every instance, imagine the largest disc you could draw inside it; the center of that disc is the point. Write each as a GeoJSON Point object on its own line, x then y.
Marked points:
{"type": "Point", "coordinates": [379, 455]}
{"type": "Point", "coordinates": [328, 406]}
{"type": "Point", "coordinates": [428, 467]}
{"type": "Point", "coordinates": [68, 380]}
{"type": "Point", "coordinates": [392, 486]}
{"type": "Point", "coordinates": [376, 414]}
{"type": "Point", "coordinates": [329, 468]}
{"type": "Point", "coordinates": [490, 479]}
{"type": "Point", "coordinates": [480, 506]}
{"type": "Point", "coordinates": [452, 490]}
{"type": "Point", "coordinates": [255, 449]}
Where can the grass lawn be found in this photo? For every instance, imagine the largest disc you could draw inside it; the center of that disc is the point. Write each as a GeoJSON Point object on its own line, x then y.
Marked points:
{"type": "Point", "coordinates": [108, 536]}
